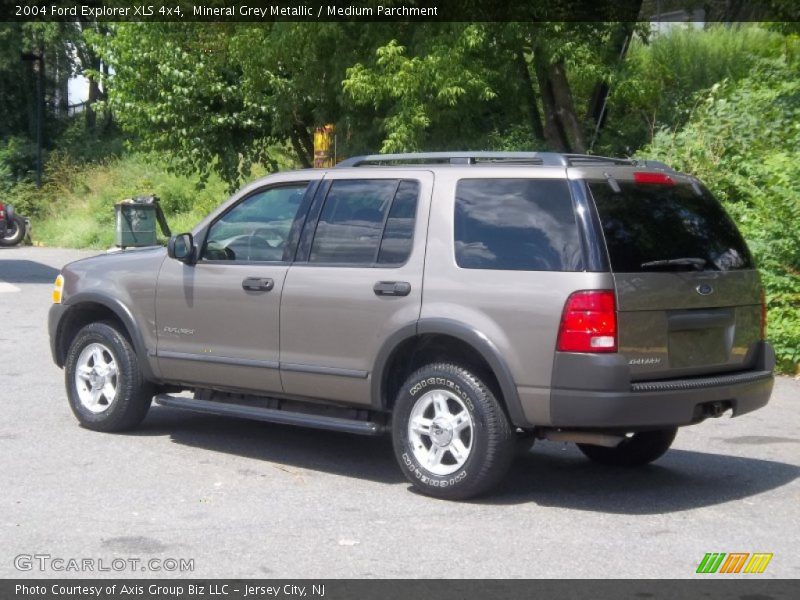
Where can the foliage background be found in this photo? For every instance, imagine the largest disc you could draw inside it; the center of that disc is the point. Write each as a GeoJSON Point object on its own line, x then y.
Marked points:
{"type": "Point", "coordinates": [192, 111]}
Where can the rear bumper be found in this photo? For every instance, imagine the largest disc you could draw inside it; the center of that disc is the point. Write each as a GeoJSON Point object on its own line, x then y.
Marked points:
{"type": "Point", "coordinates": [668, 408]}
{"type": "Point", "coordinates": [666, 403]}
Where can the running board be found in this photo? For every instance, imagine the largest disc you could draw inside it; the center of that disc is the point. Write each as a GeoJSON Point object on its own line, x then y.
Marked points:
{"type": "Point", "coordinates": [271, 415]}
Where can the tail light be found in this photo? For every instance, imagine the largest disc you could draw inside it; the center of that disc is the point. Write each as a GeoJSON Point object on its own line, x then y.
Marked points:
{"type": "Point", "coordinates": [653, 178]}
{"type": "Point", "coordinates": [763, 315]}
{"type": "Point", "coordinates": [589, 322]}
{"type": "Point", "coordinates": [2, 211]}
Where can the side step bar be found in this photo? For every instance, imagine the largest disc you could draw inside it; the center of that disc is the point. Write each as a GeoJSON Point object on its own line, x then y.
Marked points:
{"type": "Point", "coordinates": [271, 415]}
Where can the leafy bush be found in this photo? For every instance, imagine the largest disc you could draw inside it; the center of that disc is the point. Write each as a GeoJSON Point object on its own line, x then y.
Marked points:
{"type": "Point", "coordinates": [17, 156]}
{"type": "Point", "coordinates": [661, 81]}
{"type": "Point", "coordinates": [742, 141]}
{"type": "Point", "coordinates": [75, 207]}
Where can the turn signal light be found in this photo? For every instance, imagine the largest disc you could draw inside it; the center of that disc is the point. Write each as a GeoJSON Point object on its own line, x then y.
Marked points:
{"type": "Point", "coordinates": [58, 288]}
{"type": "Point", "coordinates": [589, 322]}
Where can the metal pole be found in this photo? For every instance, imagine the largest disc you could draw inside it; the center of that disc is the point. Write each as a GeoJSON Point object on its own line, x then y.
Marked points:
{"type": "Point", "coordinates": [39, 65]}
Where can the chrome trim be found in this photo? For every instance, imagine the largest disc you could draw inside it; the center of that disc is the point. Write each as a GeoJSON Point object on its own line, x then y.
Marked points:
{"type": "Point", "coordinates": [318, 370]}
{"type": "Point", "coordinates": [223, 360]}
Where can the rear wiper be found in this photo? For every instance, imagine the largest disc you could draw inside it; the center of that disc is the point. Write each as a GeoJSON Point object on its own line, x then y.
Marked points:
{"type": "Point", "coordinates": [696, 263]}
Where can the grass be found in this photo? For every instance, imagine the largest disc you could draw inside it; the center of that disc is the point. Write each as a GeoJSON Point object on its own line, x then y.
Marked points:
{"type": "Point", "coordinates": [76, 208]}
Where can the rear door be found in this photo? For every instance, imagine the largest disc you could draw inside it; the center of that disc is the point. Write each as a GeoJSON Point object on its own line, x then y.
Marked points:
{"type": "Point", "coordinates": [357, 280]}
{"type": "Point", "coordinates": [688, 294]}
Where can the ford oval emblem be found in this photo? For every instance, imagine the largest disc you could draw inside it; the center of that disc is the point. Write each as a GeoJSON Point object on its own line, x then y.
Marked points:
{"type": "Point", "coordinates": [704, 289]}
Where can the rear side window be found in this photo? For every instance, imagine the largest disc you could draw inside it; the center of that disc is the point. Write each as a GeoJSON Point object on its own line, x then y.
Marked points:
{"type": "Point", "coordinates": [661, 227]}
{"type": "Point", "coordinates": [516, 224]}
{"type": "Point", "coordinates": [366, 222]}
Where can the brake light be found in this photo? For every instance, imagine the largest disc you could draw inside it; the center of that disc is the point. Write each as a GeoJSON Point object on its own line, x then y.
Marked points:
{"type": "Point", "coordinates": [589, 322]}
{"type": "Point", "coordinates": [763, 315]}
{"type": "Point", "coordinates": [653, 178]}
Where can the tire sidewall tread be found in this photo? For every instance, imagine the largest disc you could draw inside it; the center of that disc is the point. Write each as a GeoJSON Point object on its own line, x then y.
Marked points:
{"type": "Point", "coordinates": [493, 439]}
{"type": "Point", "coordinates": [134, 393]}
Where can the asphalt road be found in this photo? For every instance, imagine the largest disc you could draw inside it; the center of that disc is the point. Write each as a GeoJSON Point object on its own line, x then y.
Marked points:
{"type": "Point", "coordinates": [245, 499]}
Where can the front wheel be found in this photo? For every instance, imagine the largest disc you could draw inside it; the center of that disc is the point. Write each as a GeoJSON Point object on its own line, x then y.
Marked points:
{"type": "Point", "coordinates": [15, 232]}
{"type": "Point", "coordinates": [106, 389]}
{"type": "Point", "coordinates": [450, 434]}
{"type": "Point", "coordinates": [635, 451]}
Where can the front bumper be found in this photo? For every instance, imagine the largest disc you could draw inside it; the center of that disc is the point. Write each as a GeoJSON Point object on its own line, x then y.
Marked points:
{"type": "Point", "coordinates": [666, 403]}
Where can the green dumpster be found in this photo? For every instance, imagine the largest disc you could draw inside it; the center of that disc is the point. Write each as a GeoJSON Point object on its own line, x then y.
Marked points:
{"type": "Point", "coordinates": [136, 220]}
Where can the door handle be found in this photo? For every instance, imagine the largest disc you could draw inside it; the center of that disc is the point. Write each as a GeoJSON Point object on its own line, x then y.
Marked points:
{"type": "Point", "coordinates": [392, 288]}
{"type": "Point", "coordinates": [258, 284]}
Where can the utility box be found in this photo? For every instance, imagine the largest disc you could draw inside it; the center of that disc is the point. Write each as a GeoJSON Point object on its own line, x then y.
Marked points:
{"type": "Point", "coordinates": [136, 220]}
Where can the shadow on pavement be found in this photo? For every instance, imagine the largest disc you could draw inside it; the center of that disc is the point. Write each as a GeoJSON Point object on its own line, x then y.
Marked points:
{"type": "Point", "coordinates": [25, 271]}
{"type": "Point", "coordinates": [559, 476]}
{"type": "Point", "coordinates": [551, 475]}
{"type": "Point", "coordinates": [369, 458]}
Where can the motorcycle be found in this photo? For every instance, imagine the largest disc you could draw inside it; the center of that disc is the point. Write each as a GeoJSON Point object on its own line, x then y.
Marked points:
{"type": "Point", "coordinates": [17, 227]}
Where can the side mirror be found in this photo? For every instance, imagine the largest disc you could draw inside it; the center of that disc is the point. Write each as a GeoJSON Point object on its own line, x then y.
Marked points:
{"type": "Point", "coordinates": [181, 247]}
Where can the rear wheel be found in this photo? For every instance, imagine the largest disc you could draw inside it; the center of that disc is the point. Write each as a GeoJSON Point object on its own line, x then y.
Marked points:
{"type": "Point", "coordinates": [639, 449]}
{"type": "Point", "coordinates": [106, 389]}
{"type": "Point", "coordinates": [15, 232]}
{"type": "Point", "coordinates": [451, 436]}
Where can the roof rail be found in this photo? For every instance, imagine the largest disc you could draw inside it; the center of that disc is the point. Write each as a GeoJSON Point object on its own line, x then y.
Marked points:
{"type": "Point", "coordinates": [654, 164]}
{"type": "Point", "coordinates": [547, 159]}
{"type": "Point", "coordinates": [589, 160]}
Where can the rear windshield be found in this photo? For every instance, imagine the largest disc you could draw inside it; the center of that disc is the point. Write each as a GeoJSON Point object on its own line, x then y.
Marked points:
{"type": "Point", "coordinates": [516, 224]}
{"type": "Point", "coordinates": [660, 227]}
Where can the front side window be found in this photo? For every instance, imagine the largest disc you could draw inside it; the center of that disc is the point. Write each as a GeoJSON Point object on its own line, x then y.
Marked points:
{"type": "Point", "coordinates": [256, 229]}
{"type": "Point", "coordinates": [366, 222]}
{"type": "Point", "coordinates": [516, 224]}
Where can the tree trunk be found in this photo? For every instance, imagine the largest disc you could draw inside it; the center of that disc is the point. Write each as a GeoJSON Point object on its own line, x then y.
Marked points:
{"type": "Point", "coordinates": [596, 111]}
{"type": "Point", "coordinates": [94, 88]}
{"type": "Point", "coordinates": [565, 107]}
{"type": "Point", "coordinates": [530, 98]}
{"type": "Point", "coordinates": [553, 130]}
{"type": "Point", "coordinates": [299, 150]}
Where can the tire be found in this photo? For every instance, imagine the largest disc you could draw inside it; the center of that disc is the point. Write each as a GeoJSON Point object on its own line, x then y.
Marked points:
{"type": "Point", "coordinates": [110, 393]}
{"type": "Point", "coordinates": [437, 407]}
{"type": "Point", "coordinates": [640, 449]}
{"type": "Point", "coordinates": [15, 232]}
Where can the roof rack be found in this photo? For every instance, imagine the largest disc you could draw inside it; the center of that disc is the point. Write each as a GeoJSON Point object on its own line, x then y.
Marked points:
{"type": "Point", "coordinates": [545, 159]}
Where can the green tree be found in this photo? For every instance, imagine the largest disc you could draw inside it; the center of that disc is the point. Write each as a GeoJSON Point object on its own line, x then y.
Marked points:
{"type": "Point", "coordinates": [742, 141]}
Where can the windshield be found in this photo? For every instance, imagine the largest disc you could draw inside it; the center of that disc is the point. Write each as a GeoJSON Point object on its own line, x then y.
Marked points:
{"type": "Point", "coordinates": [667, 227]}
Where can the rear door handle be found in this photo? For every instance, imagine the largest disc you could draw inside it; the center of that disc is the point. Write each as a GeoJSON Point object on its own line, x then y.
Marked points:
{"type": "Point", "coordinates": [258, 284]}
{"type": "Point", "coordinates": [392, 288]}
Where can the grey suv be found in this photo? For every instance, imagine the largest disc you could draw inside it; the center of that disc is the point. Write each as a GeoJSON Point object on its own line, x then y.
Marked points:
{"type": "Point", "coordinates": [470, 303]}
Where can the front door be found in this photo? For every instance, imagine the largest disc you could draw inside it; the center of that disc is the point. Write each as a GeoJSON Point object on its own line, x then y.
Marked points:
{"type": "Point", "coordinates": [218, 319]}
{"type": "Point", "coordinates": [357, 279]}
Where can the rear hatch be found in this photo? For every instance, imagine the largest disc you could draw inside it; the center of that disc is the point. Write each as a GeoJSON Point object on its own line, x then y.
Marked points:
{"type": "Point", "coordinates": [688, 294]}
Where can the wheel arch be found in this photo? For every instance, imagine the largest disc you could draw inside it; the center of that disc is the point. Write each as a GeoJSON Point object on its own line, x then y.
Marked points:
{"type": "Point", "coordinates": [395, 360]}
{"type": "Point", "coordinates": [90, 307]}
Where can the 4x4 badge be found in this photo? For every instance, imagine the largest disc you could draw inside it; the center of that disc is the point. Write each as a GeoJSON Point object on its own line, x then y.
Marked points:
{"type": "Point", "coordinates": [704, 289]}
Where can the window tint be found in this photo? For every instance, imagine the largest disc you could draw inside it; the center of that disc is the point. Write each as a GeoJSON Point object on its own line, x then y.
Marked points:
{"type": "Point", "coordinates": [399, 231]}
{"type": "Point", "coordinates": [645, 225]}
{"type": "Point", "coordinates": [365, 222]}
{"type": "Point", "coordinates": [516, 224]}
{"type": "Point", "coordinates": [257, 228]}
